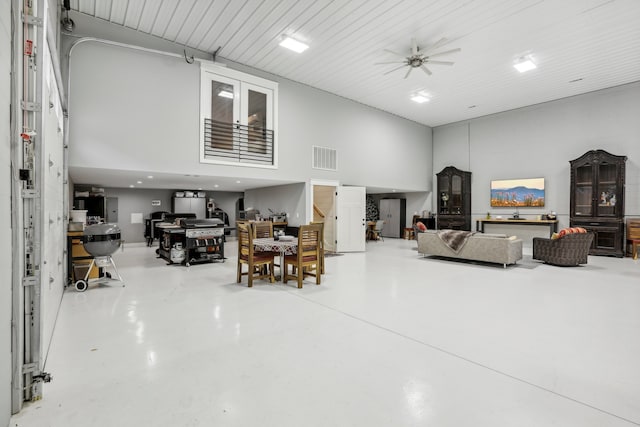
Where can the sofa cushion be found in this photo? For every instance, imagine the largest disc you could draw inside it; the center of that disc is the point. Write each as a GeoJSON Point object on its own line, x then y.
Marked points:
{"type": "Point", "coordinates": [421, 226]}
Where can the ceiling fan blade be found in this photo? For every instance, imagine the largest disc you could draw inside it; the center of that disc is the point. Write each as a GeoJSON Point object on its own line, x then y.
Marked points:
{"type": "Point", "coordinates": [390, 62]}
{"type": "Point", "coordinates": [440, 62]}
{"type": "Point", "coordinates": [426, 70]}
{"type": "Point", "coordinates": [414, 47]}
{"type": "Point", "coordinates": [408, 72]}
{"type": "Point", "coordinates": [436, 45]}
{"type": "Point", "coordinates": [444, 53]}
{"type": "Point", "coordinates": [395, 53]}
{"type": "Point", "coordinates": [391, 71]}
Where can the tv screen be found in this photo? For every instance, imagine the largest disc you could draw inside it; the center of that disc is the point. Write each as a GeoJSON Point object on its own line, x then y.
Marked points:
{"type": "Point", "coordinates": [519, 193]}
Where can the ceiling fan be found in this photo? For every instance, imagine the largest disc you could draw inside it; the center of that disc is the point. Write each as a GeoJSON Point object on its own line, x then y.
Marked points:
{"type": "Point", "coordinates": [419, 58]}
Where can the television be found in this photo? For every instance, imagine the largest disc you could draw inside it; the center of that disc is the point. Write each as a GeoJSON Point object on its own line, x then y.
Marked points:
{"type": "Point", "coordinates": [519, 193]}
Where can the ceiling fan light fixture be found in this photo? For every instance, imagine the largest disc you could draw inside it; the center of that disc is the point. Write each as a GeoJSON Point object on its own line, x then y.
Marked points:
{"type": "Point", "coordinates": [293, 44]}
{"type": "Point", "coordinates": [524, 64]}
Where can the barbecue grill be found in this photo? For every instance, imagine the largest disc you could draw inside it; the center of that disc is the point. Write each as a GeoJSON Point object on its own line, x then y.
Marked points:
{"type": "Point", "coordinates": [100, 241]}
{"type": "Point", "coordinates": [204, 240]}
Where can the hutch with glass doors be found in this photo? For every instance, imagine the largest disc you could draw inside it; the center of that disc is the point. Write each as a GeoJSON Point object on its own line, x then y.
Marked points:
{"type": "Point", "coordinates": [454, 199]}
{"type": "Point", "coordinates": [597, 200]}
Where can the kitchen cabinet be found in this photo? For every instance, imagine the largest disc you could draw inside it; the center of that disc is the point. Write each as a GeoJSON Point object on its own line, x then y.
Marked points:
{"type": "Point", "coordinates": [394, 213]}
{"type": "Point", "coordinates": [454, 199]}
{"type": "Point", "coordinates": [597, 200]}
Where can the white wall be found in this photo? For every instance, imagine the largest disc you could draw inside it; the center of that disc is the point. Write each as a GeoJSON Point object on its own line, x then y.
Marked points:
{"type": "Point", "coordinates": [539, 141]}
{"type": "Point", "coordinates": [131, 110]}
{"type": "Point", "coordinates": [289, 198]}
{"type": "Point", "coordinates": [6, 252]}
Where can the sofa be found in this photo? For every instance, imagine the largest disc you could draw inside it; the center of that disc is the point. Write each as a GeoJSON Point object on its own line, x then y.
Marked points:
{"type": "Point", "coordinates": [494, 248]}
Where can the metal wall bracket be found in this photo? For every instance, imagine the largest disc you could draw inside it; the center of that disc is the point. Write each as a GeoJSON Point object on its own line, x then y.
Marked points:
{"type": "Point", "coordinates": [29, 367]}
{"type": "Point", "coordinates": [29, 281]}
{"type": "Point", "coordinates": [31, 106]}
{"type": "Point", "coordinates": [29, 193]}
{"type": "Point", "coordinates": [32, 20]}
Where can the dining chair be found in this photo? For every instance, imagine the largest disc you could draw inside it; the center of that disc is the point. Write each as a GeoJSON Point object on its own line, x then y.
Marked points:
{"type": "Point", "coordinates": [255, 261]}
{"type": "Point", "coordinates": [377, 230]}
{"type": "Point", "coordinates": [262, 229]}
{"type": "Point", "coordinates": [322, 245]}
{"type": "Point", "coordinates": [306, 262]}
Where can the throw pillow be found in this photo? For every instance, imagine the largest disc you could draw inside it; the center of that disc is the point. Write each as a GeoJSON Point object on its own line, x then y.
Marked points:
{"type": "Point", "coordinates": [421, 226]}
{"type": "Point", "coordinates": [570, 230]}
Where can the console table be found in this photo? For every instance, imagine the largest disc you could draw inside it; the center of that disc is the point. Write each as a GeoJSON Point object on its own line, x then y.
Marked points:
{"type": "Point", "coordinates": [552, 224]}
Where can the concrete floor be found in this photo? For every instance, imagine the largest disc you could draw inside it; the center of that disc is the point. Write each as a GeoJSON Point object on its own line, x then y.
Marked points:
{"type": "Point", "coordinates": [388, 339]}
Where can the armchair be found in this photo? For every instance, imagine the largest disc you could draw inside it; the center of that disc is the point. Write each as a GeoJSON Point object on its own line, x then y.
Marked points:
{"type": "Point", "coordinates": [571, 249]}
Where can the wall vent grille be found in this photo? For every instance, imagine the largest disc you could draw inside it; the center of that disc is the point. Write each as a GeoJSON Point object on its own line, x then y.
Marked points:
{"type": "Point", "coordinates": [325, 158]}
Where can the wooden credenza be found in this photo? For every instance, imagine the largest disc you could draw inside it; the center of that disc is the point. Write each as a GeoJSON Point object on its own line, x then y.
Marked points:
{"type": "Point", "coordinates": [633, 235]}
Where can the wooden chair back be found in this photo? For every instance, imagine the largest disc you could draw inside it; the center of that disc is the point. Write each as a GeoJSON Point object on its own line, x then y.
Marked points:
{"type": "Point", "coordinates": [262, 229]}
{"type": "Point", "coordinates": [322, 244]}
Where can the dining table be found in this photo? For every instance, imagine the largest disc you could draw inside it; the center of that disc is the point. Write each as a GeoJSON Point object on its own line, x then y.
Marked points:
{"type": "Point", "coordinates": [288, 246]}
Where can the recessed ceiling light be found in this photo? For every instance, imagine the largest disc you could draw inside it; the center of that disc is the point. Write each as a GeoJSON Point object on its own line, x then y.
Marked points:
{"type": "Point", "coordinates": [524, 63]}
{"type": "Point", "coordinates": [150, 176]}
{"type": "Point", "coordinates": [419, 98]}
{"type": "Point", "coordinates": [132, 186]}
{"type": "Point", "coordinates": [200, 189]}
{"type": "Point", "coordinates": [293, 44]}
{"type": "Point", "coordinates": [139, 182]}
{"type": "Point", "coordinates": [225, 94]}
{"type": "Point", "coordinates": [237, 182]}
{"type": "Point", "coordinates": [216, 186]}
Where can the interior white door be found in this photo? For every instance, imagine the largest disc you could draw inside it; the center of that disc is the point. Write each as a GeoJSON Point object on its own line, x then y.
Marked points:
{"type": "Point", "coordinates": [351, 223]}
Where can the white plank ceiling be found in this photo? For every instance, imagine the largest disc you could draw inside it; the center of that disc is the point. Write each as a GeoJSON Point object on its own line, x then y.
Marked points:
{"type": "Point", "coordinates": [578, 45]}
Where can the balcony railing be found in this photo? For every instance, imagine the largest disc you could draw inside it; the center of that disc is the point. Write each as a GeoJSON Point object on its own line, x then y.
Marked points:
{"type": "Point", "coordinates": [232, 142]}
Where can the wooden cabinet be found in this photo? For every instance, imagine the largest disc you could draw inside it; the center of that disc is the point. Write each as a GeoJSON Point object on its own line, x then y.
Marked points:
{"type": "Point", "coordinates": [454, 199]}
{"type": "Point", "coordinates": [597, 200]}
{"type": "Point", "coordinates": [394, 214]}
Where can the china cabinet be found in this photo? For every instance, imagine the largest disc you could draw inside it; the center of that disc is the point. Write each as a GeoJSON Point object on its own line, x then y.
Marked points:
{"type": "Point", "coordinates": [454, 199]}
{"type": "Point", "coordinates": [597, 200]}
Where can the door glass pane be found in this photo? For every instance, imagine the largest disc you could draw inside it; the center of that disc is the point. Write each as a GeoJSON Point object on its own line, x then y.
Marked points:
{"type": "Point", "coordinates": [607, 194]}
{"type": "Point", "coordinates": [443, 199]}
{"type": "Point", "coordinates": [257, 122]}
{"type": "Point", "coordinates": [456, 194]}
{"type": "Point", "coordinates": [584, 191]}
{"type": "Point", "coordinates": [222, 99]}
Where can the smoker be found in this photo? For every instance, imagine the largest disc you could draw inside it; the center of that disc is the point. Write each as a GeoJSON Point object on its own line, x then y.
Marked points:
{"type": "Point", "coordinates": [100, 241]}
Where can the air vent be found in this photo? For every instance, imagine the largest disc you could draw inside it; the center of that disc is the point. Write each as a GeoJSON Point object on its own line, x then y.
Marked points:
{"type": "Point", "coordinates": [325, 158]}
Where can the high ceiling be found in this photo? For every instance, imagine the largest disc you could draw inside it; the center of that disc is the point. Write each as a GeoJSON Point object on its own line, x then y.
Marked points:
{"type": "Point", "coordinates": [578, 45]}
